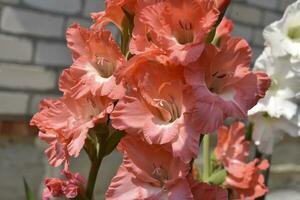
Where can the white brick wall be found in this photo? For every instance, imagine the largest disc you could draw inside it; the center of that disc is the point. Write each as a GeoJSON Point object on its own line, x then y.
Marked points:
{"type": "Point", "coordinates": [32, 23]}
{"type": "Point", "coordinates": [92, 6]}
{"type": "Point", "coordinates": [10, 1]}
{"type": "Point", "coordinates": [246, 14]}
{"type": "Point", "coordinates": [23, 77]}
{"type": "Point", "coordinates": [52, 53]}
{"type": "Point", "coordinates": [15, 48]}
{"type": "Point", "coordinates": [271, 4]}
{"type": "Point", "coordinates": [61, 6]}
{"type": "Point", "coordinates": [33, 47]}
{"type": "Point", "coordinates": [13, 103]}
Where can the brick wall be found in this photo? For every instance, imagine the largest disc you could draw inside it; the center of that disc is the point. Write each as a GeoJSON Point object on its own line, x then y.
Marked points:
{"type": "Point", "coordinates": [33, 48]}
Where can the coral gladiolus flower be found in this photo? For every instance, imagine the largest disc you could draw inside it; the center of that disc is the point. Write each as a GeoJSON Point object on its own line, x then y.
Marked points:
{"type": "Point", "coordinates": [223, 84]}
{"type": "Point", "coordinates": [149, 172]}
{"type": "Point", "coordinates": [178, 27]}
{"type": "Point", "coordinates": [157, 105]}
{"type": "Point", "coordinates": [224, 29]}
{"type": "Point", "coordinates": [246, 180]}
{"type": "Point", "coordinates": [69, 188]}
{"type": "Point", "coordinates": [232, 144]}
{"type": "Point", "coordinates": [64, 124]}
{"type": "Point", "coordinates": [97, 57]}
{"type": "Point", "coordinates": [114, 13]}
{"type": "Point", "coordinates": [232, 151]}
{"type": "Point", "coordinates": [207, 192]}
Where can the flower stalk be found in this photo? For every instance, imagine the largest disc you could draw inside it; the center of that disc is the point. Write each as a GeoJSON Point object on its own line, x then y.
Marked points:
{"type": "Point", "coordinates": [206, 158]}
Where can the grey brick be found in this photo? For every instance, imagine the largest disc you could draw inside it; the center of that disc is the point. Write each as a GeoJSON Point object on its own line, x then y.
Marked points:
{"type": "Point", "coordinates": [243, 31]}
{"type": "Point", "coordinates": [32, 23]}
{"type": "Point", "coordinates": [10, 1]}
{"type": "Point", "coordinates": [15, 48]}
{"type": "Point", "coordinates": [271, 4]}
{"type": "Point", "coordinates": [283, 4]}
{"type": "Point", "coordinates": [62, 6]}
{"type": "Point", "coordinates": [81, 21]}
{"type": "Point", "coordinates": [36, 99]}
{"type": "Point", "coordinates": [52, 53]}
{"type": "Point", "coordinates": [13, 103]}
{"type": "Point", "coordinates": [93, 6]}
{"type": "Point", "coordinates": [255, 53]}
{"type": "Point", "coordinates": [245, 14]}
{"type": "Point", "coordinates": [270, 17]}
{"type": "Point", "coordinates": [16, 76]}
{"type": "Point", "coordinates": [258, 37]}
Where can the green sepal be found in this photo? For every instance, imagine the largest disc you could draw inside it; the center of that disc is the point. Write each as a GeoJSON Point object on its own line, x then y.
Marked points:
{"type": "Point", "coordinates": [213, 31]}
{"type": "Point", "coordinates": [127, 27]}
{"type": "Point", "coordinates": [28, 191]}
{"type": "Point", "coordinates": [218, 177]}
{"type": "Point", "coordinates": [112, 141]}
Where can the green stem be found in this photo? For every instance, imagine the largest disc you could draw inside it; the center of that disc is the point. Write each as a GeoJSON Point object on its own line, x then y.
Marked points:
{"type": "Point", "coordinates": [96, 163]}
{"type": "Point", "coordinates": [95, 166]}
{"type": "Point", "coordinates": [206, 157]}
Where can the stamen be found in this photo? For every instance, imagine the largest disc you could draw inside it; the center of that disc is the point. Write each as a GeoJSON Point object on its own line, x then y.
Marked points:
{"type": "Point", "coordinates": [160, 174]}
{"type": "Point", "coordinates": [187, 26]}
{"type": "Point", "coordinates": [104, 66]}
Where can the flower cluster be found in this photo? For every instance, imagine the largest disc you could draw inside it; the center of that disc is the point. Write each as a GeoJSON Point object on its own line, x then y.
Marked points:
{"type": "Point", "coordinates": [279, 113]}
{"type": "Point", "coordinates": [69, 188]}
{"type": "Point", "coordinates": [232, 151]}
{"type": "Point", "coordinates": [175, 76]}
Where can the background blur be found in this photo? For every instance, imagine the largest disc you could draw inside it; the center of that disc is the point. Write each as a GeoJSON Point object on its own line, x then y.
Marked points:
{"type": "Point", "coordinates": [33, 53]}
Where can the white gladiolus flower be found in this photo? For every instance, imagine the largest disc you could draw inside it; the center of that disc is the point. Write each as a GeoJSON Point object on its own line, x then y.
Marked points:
{"type": "Point", "coordinates": [283, 36]}
{"type": "Point", "coordinates": [280, 99]}
{"type": "Point", "coordinates": [277, 113]}
{"type": "Point", "coordinates": [268, 131]}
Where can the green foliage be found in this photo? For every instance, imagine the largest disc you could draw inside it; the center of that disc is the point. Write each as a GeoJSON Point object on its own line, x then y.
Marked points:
{"type": "Point", "coordinates": [28, 191]}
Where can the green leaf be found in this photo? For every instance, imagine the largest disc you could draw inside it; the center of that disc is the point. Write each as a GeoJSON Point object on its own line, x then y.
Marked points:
{"type": "Point", "coordinates": [218, 177]}
{"type": "Point", "coordinates": [113, 141]}
{"type": "Point", "coordinates": [28, 192]}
